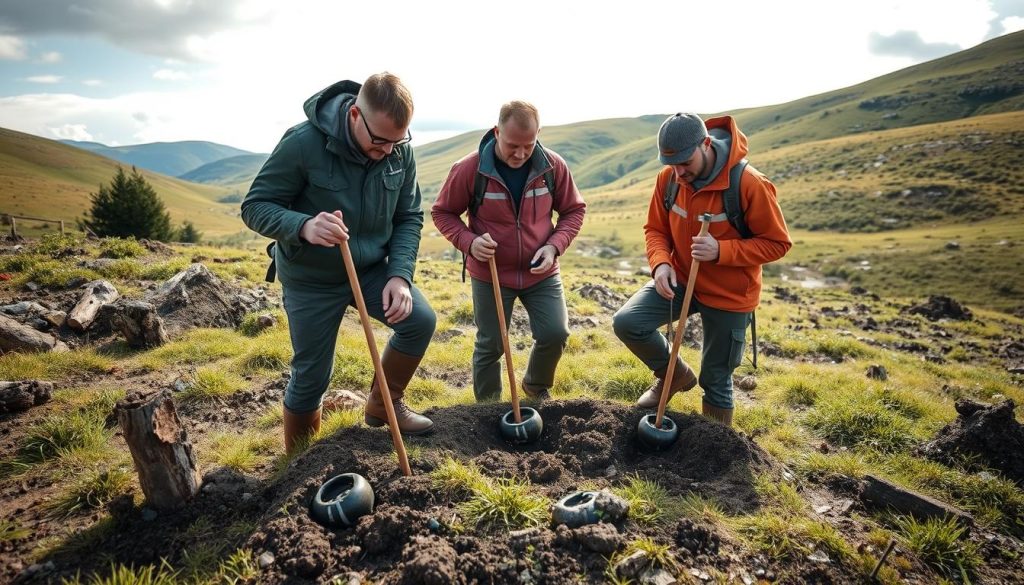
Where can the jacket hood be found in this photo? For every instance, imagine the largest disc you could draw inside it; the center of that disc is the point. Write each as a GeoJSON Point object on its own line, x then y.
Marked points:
{"type": "Point", "coordinates": [324, 108]}
{"type": "Point", "coordinates": [725, 135]}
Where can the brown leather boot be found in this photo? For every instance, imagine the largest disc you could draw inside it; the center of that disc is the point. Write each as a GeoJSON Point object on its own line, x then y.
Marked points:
{"type": "Point", "coordinates": [299, 427]}
{"type": "Point", "coordinates": [399, 368]}
{"type": "Point", "coordinates": [538, 393]}
{"type": "Point", "coordinates": [722, 415]}
{"type": "Point", "coordinates": [683, 380]}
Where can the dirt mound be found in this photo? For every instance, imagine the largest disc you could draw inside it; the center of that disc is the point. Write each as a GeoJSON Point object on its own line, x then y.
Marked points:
{"type": "Point", "coordinates": [987, 434]}
{"type": "Point", "coordinates": [584, 442]}
{"type": "Point", "coordinates": [602, 295]}
{"type": "Point", "coordinates": [195, 297]}
{"type": "Point", "coordinates": [941, 307]}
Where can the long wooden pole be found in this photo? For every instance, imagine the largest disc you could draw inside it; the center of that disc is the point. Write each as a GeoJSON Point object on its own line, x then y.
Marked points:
{"type": "Point", "coordinates": [504, 342]}
{"type": "Point", "coordinates": [364, 318]}
{"type": "Point", "coordinates": [677, 340]}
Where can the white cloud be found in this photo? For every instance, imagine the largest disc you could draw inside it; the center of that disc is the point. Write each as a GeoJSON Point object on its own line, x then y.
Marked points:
{"type": "Point", "coordinates": [50, 57]}
{"type": "Point", "coordinates": [11, 48]}
{"type": "Point", "coordinates": [92, 82]}
{"type": "Point", "coordinates": [1012, 24]}
{"type": "Point", "coordinates": [44, 78]}
{"type": "Point", "coordinates": [72, 132]}
{"type": "Point", "coordinates": [170, 75]}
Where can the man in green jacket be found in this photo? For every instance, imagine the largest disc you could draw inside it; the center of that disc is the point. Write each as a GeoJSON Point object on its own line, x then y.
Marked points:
{"type": "Point", "coordinates": [347, 173]}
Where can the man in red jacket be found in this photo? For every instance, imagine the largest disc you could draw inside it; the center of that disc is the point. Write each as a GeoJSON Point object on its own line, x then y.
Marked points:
{"type": "Point", "coordinates": [698, 158]}
{"type": "Point", "coordinates": [511, 186]}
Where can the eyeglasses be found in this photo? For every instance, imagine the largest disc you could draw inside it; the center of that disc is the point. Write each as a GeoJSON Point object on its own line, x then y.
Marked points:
{"type": "Point", "coordinates": [374, 139]}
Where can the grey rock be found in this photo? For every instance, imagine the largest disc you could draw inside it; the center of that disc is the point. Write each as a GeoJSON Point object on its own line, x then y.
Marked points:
{"type": "Point", "coordinates": [631, 566]}
{"type": "Point", "coordinates": [265, 560]}
{"type": "Point", "coordinates": [658, 577]}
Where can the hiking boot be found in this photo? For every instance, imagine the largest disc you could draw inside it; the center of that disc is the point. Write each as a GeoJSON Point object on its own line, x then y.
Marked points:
{"type": "Point", "coordinates": [722, 415]}
{"type": "Point", "coordinates": [683, 379]}
{"type": "Point", "coordinates": [299, 427]}
{"type": "Point", "coordinates": [538, 393]}
{"type": "Point", "coordinates": [399, 368]}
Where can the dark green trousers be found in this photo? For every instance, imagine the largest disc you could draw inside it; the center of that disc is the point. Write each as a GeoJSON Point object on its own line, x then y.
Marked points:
{"type": "Point", "coordinates": [637, 323]}
{"type": "Point", "coordinates": [549, 324]}
{"type": "Point", "coordinates": [314, 315]}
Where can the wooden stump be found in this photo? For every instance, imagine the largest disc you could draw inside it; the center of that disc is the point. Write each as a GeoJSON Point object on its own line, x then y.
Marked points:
{"type": "Point", "coordinates": [160, 448]}
{"type": "Point", "coordinates": [97, 294]}
{"type": "Point", "coordinates": [23, 395]}
{"type": "Point", "coordinates": [138, 321]}
{"type": "Point", "coordinates": [17, 337]}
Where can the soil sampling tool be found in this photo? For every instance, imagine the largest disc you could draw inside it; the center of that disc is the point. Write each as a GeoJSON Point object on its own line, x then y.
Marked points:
{"type": "Point", "coordinates": [657, 431]}
{"type": "Point", "coordinates": [514, 427]}
{"type": "Point", "coordinates": [364, 318]}
{"type": "Point", "coordinates": [341, 500]}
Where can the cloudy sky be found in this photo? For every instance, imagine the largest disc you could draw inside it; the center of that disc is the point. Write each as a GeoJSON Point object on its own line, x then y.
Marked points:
{"type": "Point", "coordinates": [237, 71]}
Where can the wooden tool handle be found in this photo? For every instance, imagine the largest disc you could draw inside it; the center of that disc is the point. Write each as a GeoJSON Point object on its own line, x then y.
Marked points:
{"type": "Point", "coordinates": [504, 341]}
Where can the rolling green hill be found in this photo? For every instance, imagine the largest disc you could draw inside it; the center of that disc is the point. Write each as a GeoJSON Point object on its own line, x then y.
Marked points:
{"type": "Point", "coordinates": [44, 178]}
{"type": "Point", "coordinates": [168, 158]}
{"type": "Point", "coordinates": [985, 79]}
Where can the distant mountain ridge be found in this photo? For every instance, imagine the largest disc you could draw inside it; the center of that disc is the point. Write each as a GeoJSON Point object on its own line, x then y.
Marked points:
{"type": "Point", "coordinates": [234, 171]}
{"type": "Point", "coordinates": [167, 158]}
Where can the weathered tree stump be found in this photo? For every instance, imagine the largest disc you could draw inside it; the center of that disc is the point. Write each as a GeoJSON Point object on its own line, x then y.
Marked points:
{"type": "Point", "coordinates": [883, 494]}
{"type": "Point", "coordinates": [160, 448]}
{"type": "Point", "coordinates": [17, 337]}
{"type": "Point", "coordinates": [97, 294]}
{"type": "Point", "coordinates": [23, 395]}
{"type": "Point", "coordinates": [137, 321]}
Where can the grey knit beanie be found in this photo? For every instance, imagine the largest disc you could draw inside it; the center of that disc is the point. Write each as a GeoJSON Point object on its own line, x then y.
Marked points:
{"type": "Point", "coordinates": [679, 136]}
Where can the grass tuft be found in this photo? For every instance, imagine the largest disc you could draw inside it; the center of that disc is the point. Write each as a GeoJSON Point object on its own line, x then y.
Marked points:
{"type": "Point", "coordinates": [453, 477]}
{"type": "Point", "coordinates": [940, 543]}
{"type": "Point", "coordinates": [504, 504]}
{"type": "Point", "coordinates": [649, 503]}
{"type": "Point", "coordinates": [9, 530]}
{"type": "Point", "coordinates": [92, 491]}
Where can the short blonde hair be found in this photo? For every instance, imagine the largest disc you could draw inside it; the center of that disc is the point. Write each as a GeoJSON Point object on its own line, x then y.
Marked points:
{"type": "Point", "coordinates": [385, 93]}
{"type": "Point", "coordinates": [522, 112]}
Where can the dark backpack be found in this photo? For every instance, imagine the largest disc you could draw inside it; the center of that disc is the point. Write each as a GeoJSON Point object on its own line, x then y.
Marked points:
{"type": "Point", "coordinates": [734, 213]}
{"type": "Point", "coordinates": [730, 199]}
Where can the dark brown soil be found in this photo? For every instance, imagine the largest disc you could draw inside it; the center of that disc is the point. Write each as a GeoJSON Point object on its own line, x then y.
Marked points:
{"type": "Point", "coordinates": [984, 436]}
{"type": "Point", "coordinates": [409, 538]}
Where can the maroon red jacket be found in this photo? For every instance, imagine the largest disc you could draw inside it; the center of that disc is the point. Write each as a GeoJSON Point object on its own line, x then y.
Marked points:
{"type": "Point", "coordinates": [518, 236]}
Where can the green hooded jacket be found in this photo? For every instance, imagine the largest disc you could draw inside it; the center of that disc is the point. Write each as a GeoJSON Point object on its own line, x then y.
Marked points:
{"type": "Point", "coordinates": [318, 167]}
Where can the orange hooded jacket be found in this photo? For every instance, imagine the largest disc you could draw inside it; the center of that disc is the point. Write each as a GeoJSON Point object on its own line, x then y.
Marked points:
{"type": "Point", "coordinates": [733, 283]}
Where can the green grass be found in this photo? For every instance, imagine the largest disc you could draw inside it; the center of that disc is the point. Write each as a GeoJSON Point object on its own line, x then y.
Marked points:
{"type": "Point", "coordinates": [242, 452]}
{"type": "Point", "coordinates": [627, 384]}
{"type": "Point", "coordinates": [861, 422]}
{"type": "Point", "coordinates": [209, 383]}
{"type": "Point", "coordinates": [10, 530]}
{"type": "Point", "coordinates": [53, 365]}
{"type": "Point", "coordinates": [121, 248]}
{"type": "Point", "coordinates": [195, 347]}
{"type": "Point", "coordinates": [943, 544]}
{"type": "Point", "coordinates": [61, 435]}
{"type": "Point", "coordinates": [129, 575]}
{"type": "Point", "coordinates": [453, 477]}
{"type": "Point", "coordinates": [92, 491]}
{"type": "Point", "coordinates": [649, 503]}
{"type": "Point", "coordinates": [658, 556]}
{"type": "Point", "coordinates": [504, 504]}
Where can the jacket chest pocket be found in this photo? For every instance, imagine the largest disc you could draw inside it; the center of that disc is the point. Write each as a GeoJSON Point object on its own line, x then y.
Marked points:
{"type": "Point", "coordinates": [326, 191]}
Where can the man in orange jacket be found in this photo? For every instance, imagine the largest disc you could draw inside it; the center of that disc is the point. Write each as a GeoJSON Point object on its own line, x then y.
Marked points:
{"type": "Point", "coordinates": [698, 158]}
